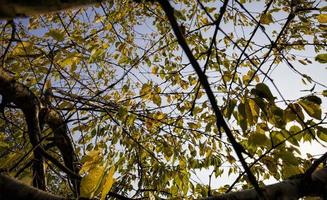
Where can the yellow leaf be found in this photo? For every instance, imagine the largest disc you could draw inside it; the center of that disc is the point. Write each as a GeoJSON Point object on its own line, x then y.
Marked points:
{"type": "Point", "coordinates": [91, 181]}
{"type": "Point", "coordinates": [266, 19]}
{"type": "Point", "coordinates": [322, 58]}
{"type": "Point", "coordinates": [108, 184]}
{"type": "Point", "coordinates": [48, 85]}
{"type": "Point", "coordinates": [322, 18]}
{"type": "Point", "coordinates": [155, 70]}
{"type": "Point", "coordinates": [146, 89]}
{"type": "Point", "coordinates": [90, 160]}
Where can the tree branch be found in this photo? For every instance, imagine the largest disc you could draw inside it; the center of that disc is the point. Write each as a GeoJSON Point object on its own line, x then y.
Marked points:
{"type": "Point", "coordinates": [220, 121]}
{"type": "Point", "coordinates": [13, 189]}
{"type": "Point", "coordinates": [290, 189]}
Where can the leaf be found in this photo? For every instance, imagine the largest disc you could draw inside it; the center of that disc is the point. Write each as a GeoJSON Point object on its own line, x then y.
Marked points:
{"type": "Point", "coordinates": [156, 99]}
{"type": "Point", "coordinates": [91, 181]}
{"type": "Point", "coordinates": [56, 34]}
{"type": "Point", "coordinates": [322, 58]}
{"type": "Point", "coordinates": [146, 90]}
{"type": "Point", "coordinates": [288, 157]}
{"type": "Point", "coordinates": [258, 139]}
{"type": "Point", "coordinates": [313, 99]}
{"type": "Point", "coordinates": [322, 18]}
{"type": "Point", "coordinates": [108, 184]}
{"type": "Point", "coordinates": [322, 133]}
{"type": "Point", "coordinates": [230, 108]}
{"type": "Point", "coordinates": [324, 93]}
{"type": "Point", "coordinates": [47, 85]}
{"type": "Point", "coordinates": [242, 118]}
{"type": "Point", "coordinates": [311, 108]}
{"type": "Point", "coordinates": [266, 19]}
{"type": "Point", "coordinates": [277, 116]}
{"type": "Point", "coordinates": [263, 91]}
{"type": "Point", "coordinates": [90, 160]}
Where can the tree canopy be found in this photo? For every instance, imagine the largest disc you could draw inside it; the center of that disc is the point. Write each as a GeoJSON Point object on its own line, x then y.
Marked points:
{"type": "Point", "coordinates": [162, 99]}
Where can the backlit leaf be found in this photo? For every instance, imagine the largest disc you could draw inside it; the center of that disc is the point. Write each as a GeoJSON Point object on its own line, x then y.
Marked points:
{"type": "Point", "coordinates": [322, 18]}
{"type": "Point", "coordinates": [322, 58]}
{"type": "Point", "coordinates": [108, 184]}
{"type": "Point", "coordinates": [311, 108]}
{"type": "Point", "coordinates": [91, 181]}
{"type": "Point", "coordinates": [263, 91]}
{"type": "Point", "coordinates": [266, 19]}
{"type": "Point", "coordinates": [56, 34]}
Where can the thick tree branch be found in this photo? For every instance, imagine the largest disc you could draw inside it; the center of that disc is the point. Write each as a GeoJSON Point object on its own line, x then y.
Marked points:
{"type": "Point", "coordinates": [18, 8]}
{"type": "Point", "coordinates": [63, 142]}
{"type": "Point", "coordinates": [13, 189]}
{"type": "Point", "coordinates": [22, 97]}
{"type": "Point", "coordinates": [290, 189]}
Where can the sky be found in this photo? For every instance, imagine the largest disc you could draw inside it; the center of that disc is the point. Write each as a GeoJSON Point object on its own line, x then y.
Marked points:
{"type": "Point", "coordinates": [288, 82]}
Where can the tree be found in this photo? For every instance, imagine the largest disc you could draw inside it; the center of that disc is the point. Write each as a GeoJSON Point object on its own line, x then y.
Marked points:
{"type": "Point", "coordinates": [127, 99]}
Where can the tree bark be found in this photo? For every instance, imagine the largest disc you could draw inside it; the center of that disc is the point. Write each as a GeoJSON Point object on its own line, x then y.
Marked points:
{"type": "Point", "coordinates": [12, 189]}
{"type": "Point", "coordinates": [22, 8]}
{"type": "Point", "coordinates": [13, 91]}
{"type": "Point", "coordinates": [285, 190]}
{"type": "Point", "coordinates": [290, 189]}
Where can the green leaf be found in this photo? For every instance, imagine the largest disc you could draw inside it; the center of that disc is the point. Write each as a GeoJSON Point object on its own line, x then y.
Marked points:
{"type": "Point", "coordinates": [324, 93]}
{"type": "Point", "coordinates": [311, 108]}
{"type": "Point", "coordinates": [322, 58]}
{"type": "Point", "coordinates": [289, 158]}
{"type": "Point", "coordinates": [257, 139]}
{"type": "Point", "coordinates": [290, 170]}
{"type": "Point", "coordinates": [230, 108]}
{"type": "Point", "coordinates": [277, 116]}
{"type": "Point", "coordinates": [263, 91]}
{"type": "Point", "coordinates": [242, 116]}
{"type": "Point", "coordinates": [322, 133]}
{"type": "Point", "coordinates": [56, 34]}
{"type": "Point", "coordinates": [313, 99]}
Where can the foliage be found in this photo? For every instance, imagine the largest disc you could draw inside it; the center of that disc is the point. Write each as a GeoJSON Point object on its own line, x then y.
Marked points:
{"type": "Point", "coordinates": [140, 121]}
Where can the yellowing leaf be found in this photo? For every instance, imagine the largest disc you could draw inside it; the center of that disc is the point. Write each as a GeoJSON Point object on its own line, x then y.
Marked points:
{"type": "Point", "coordinates": [156, 99]}
{"type": "Point", "coordinates": [266, 19]}
{"type": "Point", "coordinates": [263, 91]}
{"type": "Point", "coordinates": [23, 48]}
{"type": "Point", "coordinates": [108, 184]}
{"type": "Point", "coordinates": [91, 181]}
{"type": "Point", "coordinates": [322, 133]}
{"type": "Point", "coordinates": [155, 69]}
{"type": "Point", "coordinates": [56, 34]}
{"type": "Point", "coordinates": [90, 160]}
{"type": "Point", "coordinates": [311, 108]}
{"type": "Point", "coordinates": [322, 18]}
{"type": "Point", "coordinates": [146, 89]}
{"type": "Point", "coordinates": [322, 58]}
{"type": "Point", "coordinates": [47, 85]}
{"type": "Point", "coordinates": [230, 108]}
